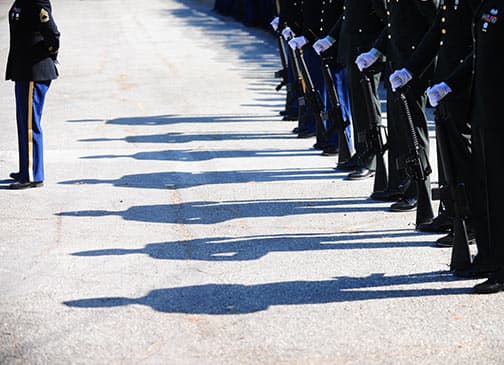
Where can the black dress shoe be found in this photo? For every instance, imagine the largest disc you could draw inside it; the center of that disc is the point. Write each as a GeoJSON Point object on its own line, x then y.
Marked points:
{"type": "Point", "coordinates": [330, 151]}
{"type": "Point", "coordinates": [318, 146]}
{"type": "Point", "coordinates": [15, 176]}
{"type": "Point", "coordinates": [447, 241]}
{"type": "Point", "coordinates": [494, 284]}
{"type": "Point", "coordinates": [474, 272]}
{"type": "Point", "coordinates": [348, 165]}
{"type": "Point", "coordinates": [360, 174]}
{"type": "Point", "coordinates": [386, 196]}
{"type": "Point", "coordinates": [306, 134]}
{"type": "Point", "coordinates": [404, 205]}
{"type": "Point", "coordinates": [295, 130]}
{"type": "Point", "coordinates": [282, 112]}
{"type": "Point", "coordinates": [290, 118]}
{"type": "Point", "coordinates": [26, 185]}
{"type": "Point", "coordinates": [440, 224]}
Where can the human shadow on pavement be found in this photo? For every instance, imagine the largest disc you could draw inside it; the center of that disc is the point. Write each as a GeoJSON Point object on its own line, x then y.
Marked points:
{"type": "Point", "coordinates": [204, 155]}
{"type": "Point", "coordinates": [229, 299]}
{"type": "Point", "coordinates": [212, 212]}
{"type": "Point", "coordinates": [222, 249]}
{"type": "Point", "coordinates": [179, 137]}
{"type": "Point", "coordinates": [184, 180]}
{"type": "Point", "coordinates": [169, 119]}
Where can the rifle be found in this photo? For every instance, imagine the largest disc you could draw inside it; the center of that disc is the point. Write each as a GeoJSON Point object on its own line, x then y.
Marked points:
{"type": "Point", "coordinates": [283, 73]}
{"type": "Point", "coordinates": [417, 164]}
{"type": "Point", "coordinates": [335, 115]}
{"type": "Point", "coordinates": [312, 97]}
{"type": "Point", "coordinates": [298, 89]}
{"type": "Point", "coordinates": [461, 256]}
{"type": "Point", "coordinates": [375, 144]}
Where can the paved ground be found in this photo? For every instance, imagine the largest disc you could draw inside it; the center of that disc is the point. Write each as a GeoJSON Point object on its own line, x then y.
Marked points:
{"type": "Point", "coordinates": [182, 223]}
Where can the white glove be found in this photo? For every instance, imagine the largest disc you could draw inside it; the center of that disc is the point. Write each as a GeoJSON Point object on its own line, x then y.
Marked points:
{"type": "Point", "coordinates": [274, 23]}
{"type": "Point", "coordinates": [323, 44]}
{"type": "Point", "coordinates": [437, 93]}
{"type": "Point", "coordinates": [298, 42]}
{"type": "Point", "coordinates": [287, 33]}
{"type": "Point", "coordinates": [364, 60]}
{"type": "Point", "coordinates": [400, 78]}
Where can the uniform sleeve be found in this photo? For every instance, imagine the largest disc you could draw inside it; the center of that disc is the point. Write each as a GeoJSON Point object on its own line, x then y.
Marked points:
{"type": "Point", "coordinates": [335, 30]}
{"type": "Point", "coordinates": [380, 8]}
{"type": "Point", "coordinates": [47, 26]}
{"type": "Point", "coordinates": [381, 43]}
{"type": "Point", "coordinates": [426, 50]}
{"type": "Point", "coordinates": [461, 77]}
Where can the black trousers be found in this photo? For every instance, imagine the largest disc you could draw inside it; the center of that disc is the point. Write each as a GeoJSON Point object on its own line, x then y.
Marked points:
{"type": "Point", "coordinates": [452, 117]}
{"type": "Point", "coordinates": [488, 155]}
{"type": "Point", "coordinates": [360, 117]}
{"type": "Point", "coordinates": [399, 133]}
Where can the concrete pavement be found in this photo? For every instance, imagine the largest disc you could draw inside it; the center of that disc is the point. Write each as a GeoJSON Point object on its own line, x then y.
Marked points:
{"type": "Point", "coordinates": [182, 222]}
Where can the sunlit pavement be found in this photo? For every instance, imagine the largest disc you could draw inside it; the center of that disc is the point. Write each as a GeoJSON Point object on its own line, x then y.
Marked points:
{"type": "Point", "coordinates": [182, 223]}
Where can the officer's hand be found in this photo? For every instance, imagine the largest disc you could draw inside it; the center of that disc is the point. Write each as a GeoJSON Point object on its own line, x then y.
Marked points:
{"type": "Point", "coordinates": [274, 23]}
{"type": "Point", "coordinates": [437, 93]}
{"type": "Point", "coordinates": [400, 78]}
{"type": "Point", "coordinates": [298, 42]}
{"type": "Point", "coordinates": [364, 60]}
{"type": "Point", "coordinates": [287, 33]}
{"type": "Point", "coordinates": [323, 44]}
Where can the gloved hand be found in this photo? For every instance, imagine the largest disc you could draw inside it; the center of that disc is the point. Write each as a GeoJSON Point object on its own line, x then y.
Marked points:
{"type": "Point", "coordinates": [400, 78]}
{"type": "Point", "coordinates": [364, 60]}
{"type": "Point", "coordinates": [274, 23]}
{"type": "Point", "coordinates": [298, 42]}
{"type": "Point", "coordinates": [287, 33]}
{"type": "Point", "coordinates": [437, 93]}
{"type": "Point", "coordinates": [323, 44]}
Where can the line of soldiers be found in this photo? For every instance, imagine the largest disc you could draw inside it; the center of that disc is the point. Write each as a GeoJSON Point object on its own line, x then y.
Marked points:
{"type": "Point", "coordinates": [441, 51]}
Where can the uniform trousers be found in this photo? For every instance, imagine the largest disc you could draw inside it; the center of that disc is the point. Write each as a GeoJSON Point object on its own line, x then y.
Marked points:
{"type": "Point", "coordinates": [313, 63]}
{"type": "Point", "coordinates": [488, 216]}
{"type": "Point", "coordinates": [30, 97]}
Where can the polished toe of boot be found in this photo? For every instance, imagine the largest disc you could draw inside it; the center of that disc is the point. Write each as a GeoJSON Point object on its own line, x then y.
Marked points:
{"type": "Point", "coordinates": [361, 174]}
{"type": "Point", "coordinates": [404, 205]}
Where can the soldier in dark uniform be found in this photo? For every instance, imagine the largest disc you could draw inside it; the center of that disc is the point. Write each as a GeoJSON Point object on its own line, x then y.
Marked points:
{"type": "Point", "coordinates": [407, 22]}
{"type": "Point", "coordinates": [449, 38]}
{"type": "Point", "coordinates": [318, 17]}
{"type": "Point", "coordinates": [289, 22]}
{"type": "Point", "coordinates": [356, 30]}
{"type": "Point", "coordinates": [34, 44]}
{"type": "Point", "coordinates": [484, 68]}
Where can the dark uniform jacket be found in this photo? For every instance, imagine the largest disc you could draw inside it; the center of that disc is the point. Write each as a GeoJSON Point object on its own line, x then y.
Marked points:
{"type": "Point", "coordinates": [485, 66]}
{"type": "Point", "coordinates": [358, 27]}
{"type": "Point", "coordinates": [290, 14]}
{"type": "Point", "coordinates": [319, 16]}
{"type": "Point", "coordinates": [407, 21]}
{"type": "Point", "coordinates": [450, 38]}
{"type": "Point", "coordinates": [34, 42]}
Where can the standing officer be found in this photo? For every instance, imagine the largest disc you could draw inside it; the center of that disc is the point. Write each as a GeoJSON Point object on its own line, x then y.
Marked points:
{"type": "Point", "coordinates": [318, 17]}
{"type": "Point", "coordinates": [485, 68]}
{"type": "Point", "coordinates": [449, 38]}
{"type": "Point", "coordinates": [406, 24]}
{"type": "Point", "coordinates": [356, 30]}
{"type": "Point", "coordinates": [34, 44]}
